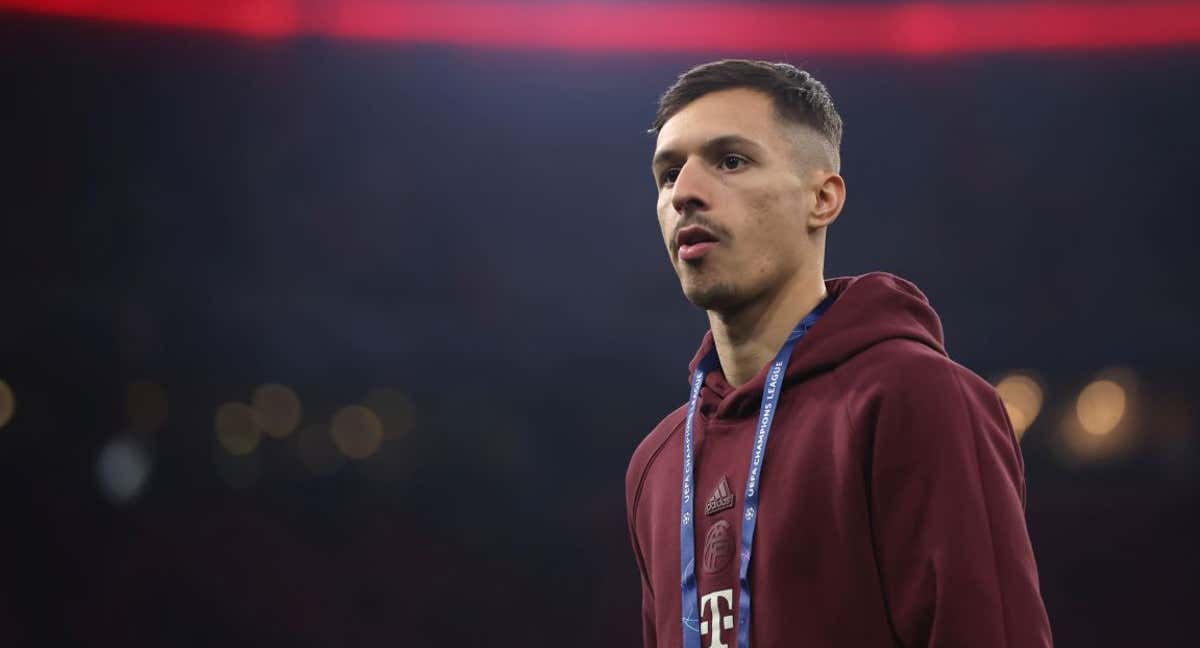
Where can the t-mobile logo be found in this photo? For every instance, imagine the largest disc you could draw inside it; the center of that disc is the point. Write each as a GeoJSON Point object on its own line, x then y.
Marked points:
{"type": "Point", "coordinates": [718, 621]}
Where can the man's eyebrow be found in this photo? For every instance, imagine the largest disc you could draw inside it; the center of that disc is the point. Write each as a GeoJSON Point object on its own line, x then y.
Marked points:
{"type": "Point", "coordinates": [710, 147]}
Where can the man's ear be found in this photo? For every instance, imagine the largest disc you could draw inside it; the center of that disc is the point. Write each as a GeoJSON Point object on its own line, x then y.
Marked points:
{"type": "Point", "coordinates": [831, 196]}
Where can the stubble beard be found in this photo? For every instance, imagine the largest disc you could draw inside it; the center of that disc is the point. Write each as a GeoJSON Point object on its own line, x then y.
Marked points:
{"type": "Point", "coordinates": [718, 295]}
{"type": "Point", "coordinates": [722, 295]}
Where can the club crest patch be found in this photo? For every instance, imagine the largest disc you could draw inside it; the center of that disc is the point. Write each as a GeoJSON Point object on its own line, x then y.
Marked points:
{"type": "Point", "coordinates": [718, 547]}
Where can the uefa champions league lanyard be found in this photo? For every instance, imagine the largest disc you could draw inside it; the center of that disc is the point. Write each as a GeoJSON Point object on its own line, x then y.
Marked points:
{"type": "Point", "coordinates": [687, 531]}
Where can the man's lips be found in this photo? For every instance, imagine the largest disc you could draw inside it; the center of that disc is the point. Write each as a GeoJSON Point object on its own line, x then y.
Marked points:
{"type": "Point", "coordinates": [694, 242]}
{"type": "Point", "coordinates": [696, 250]}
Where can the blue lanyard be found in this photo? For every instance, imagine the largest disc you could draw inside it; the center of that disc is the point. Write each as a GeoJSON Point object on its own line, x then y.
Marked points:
{"type": "Point", "coordinates": [687, 531]}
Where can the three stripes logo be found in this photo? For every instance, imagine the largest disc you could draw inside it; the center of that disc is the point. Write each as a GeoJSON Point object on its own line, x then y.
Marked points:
{"type": "Point", "coordinates": [721, 498]}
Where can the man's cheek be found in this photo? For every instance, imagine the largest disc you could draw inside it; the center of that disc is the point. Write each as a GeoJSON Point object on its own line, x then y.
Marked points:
{"type": "Point", "coordinates": [665, 226]}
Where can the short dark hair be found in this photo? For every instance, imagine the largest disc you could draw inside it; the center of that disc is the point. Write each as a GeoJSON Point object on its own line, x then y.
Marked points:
{"type": "Point", "coordinates": [797, 95]}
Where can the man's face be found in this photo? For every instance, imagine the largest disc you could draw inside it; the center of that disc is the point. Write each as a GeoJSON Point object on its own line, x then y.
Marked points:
{"type": "Point", "coordinates": [734, 195]}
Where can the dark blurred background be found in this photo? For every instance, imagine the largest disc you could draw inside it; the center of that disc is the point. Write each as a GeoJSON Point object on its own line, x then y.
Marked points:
{"type": "Point", "coordinates": [313, 340]}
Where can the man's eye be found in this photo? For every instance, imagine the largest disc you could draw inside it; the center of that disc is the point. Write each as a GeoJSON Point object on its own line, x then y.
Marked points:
{"type": "Point", "coordinates": [731, 162]}
{"type": "Point", "coordinates": [669, 176]}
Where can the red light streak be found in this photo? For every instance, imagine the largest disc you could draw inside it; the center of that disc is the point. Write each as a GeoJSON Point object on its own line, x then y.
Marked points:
{"type": "Point", "coordinates": [922, 28]}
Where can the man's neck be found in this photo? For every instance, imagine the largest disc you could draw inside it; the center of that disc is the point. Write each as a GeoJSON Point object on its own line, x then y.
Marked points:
{"type": "Point", "coordinates": [748, 338]}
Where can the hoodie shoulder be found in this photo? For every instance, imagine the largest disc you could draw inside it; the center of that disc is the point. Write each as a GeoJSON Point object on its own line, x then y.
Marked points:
{"type": "Point", "coordinates": [648, 452]}
{"type": "Point", "coordinates": [940, 398]}
{"type": "Point", "coordinates": [908, 368]}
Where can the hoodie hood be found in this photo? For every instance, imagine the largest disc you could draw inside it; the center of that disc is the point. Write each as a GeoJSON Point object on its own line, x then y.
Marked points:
{"type": "Point", "coordinates": [867, 309]}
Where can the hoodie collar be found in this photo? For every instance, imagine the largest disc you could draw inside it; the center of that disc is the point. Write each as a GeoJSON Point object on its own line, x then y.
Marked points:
{"type": "Point", "coordinates": [867, 309]}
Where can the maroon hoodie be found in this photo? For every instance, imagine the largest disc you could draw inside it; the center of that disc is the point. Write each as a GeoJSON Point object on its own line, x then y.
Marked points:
{"type": "Point", "coordinates": [892, 506]}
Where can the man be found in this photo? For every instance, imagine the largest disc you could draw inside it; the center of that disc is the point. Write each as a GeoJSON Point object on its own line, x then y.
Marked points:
{"type": "Point", "coordinates": [835, 479]}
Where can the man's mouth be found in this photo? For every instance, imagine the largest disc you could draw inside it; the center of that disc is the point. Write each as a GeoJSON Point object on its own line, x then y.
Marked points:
{"type": "Point", "coordinates": [694, 242]}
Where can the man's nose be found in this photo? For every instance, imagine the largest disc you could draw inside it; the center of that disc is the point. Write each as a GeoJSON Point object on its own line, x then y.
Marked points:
{"type": "Point", "coordinates": [690, 192]}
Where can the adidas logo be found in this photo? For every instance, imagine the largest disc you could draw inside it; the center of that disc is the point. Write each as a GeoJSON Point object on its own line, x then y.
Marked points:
{"type": "Point", "coordinates": [721, 498]}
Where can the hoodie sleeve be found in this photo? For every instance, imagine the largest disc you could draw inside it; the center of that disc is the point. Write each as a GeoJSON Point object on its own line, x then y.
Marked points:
{"type": "Point", "coordinates": [649, 633]}
{"type": "Point", "coordinates": [649, 638]}
{"type": "Point", "coordinates": [633, 477]}
{"type": "Point", "coordinates": [948, 513]}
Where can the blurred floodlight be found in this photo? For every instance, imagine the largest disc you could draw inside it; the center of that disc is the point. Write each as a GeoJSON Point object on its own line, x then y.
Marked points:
{"type": "Point", "coordinates": [8, 403]}
{"type": "Point", "coordinates": [1101, 424]}
{"type": "Point", "coordinates": [122, 468]}
{"type": "Point", "coordinates": [317, 452]}
{"type": "Point", "coordinates": [357, 431]}
{"type": "Point", "coordinates": [237, 428]}
{"type": "Point", "coordinates": [145, 407]}
{"type": "Point", "coordinates": [237, 471]}
{"type": "Point", "coordinates": [1022, 397]}
{"type": "Point", "coordinates": [278, 409]}
{"type": "Point", "coordinates": [394, 409]}
{"type": "Point", "coordinates": [1100, 406]}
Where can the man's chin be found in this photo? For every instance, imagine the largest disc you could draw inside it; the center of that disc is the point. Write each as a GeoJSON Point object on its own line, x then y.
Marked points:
{"type": "Point", "coordinates": [717, 297]}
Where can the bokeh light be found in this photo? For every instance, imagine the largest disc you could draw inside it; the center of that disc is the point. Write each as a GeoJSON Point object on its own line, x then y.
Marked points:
{"type": "Point", "coordinates": [145, 407]}
{"type": "Point", "coordinates": [314, 444]}
{"type": "Point", "coordinates": [279, 409]}
{"type": "Point", "coordinates": [1099, 425]}
{"type": "Point", "coordinates": [395, 411]}
{"type": "Point", "coordinates": [237, 427]}
{"type": "Point", "coordinates": [1100, 406]}
{"type": "Point", "coordinates": [1022, 398]}
{"type": "Point", "coordinates": [122, 469]}
{"type": "Point", "coordinates": [8, 403]}
{"type": "Point", "coordinates": [357, 432]}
